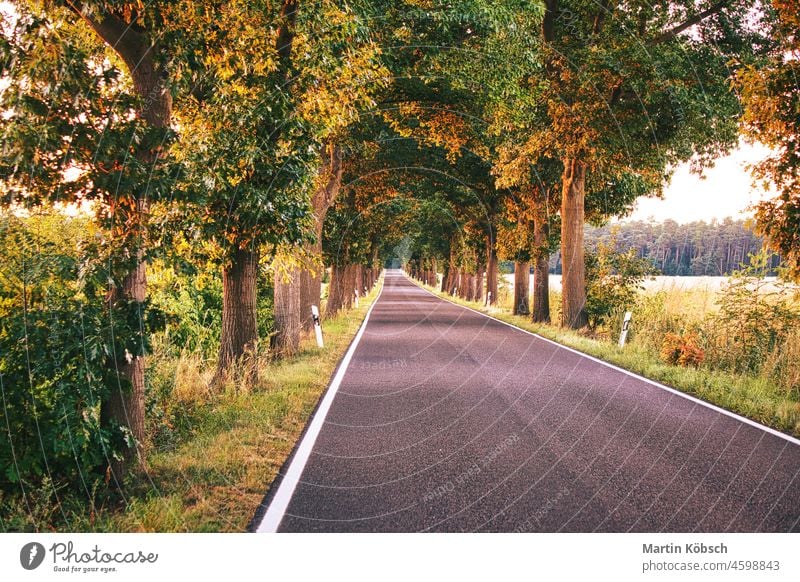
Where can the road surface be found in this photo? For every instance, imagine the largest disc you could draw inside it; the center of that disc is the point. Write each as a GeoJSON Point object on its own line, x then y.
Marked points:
{"type": "Point", "coordinates": [442, 419]}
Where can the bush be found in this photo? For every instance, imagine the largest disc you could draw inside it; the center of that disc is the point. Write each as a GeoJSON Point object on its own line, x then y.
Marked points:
{"type": "Point", "coordinates": [613, 281]}
{"type": "Point", "coordinates": [756, 321]}
{"type": "Point", "coordinates": [683, 350]}
{"type": "Point", "coordinates": [55, 344]}
{"type": "Point", "coordinates": [191, 300]}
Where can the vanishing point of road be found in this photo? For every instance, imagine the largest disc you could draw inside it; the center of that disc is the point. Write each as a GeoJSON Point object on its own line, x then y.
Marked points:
{"type": "Point", "coordinates": [443, 419]}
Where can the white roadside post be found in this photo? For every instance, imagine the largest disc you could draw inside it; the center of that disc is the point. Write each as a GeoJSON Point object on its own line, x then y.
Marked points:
{"type": "Point", "coordinates": [626, 323]}
{"type": "Point", "coordinates": [356, 293]}
{"type": "Point", "coordinates": [317, 326]}
{"type": "Point", "coordinates": [488, 298]}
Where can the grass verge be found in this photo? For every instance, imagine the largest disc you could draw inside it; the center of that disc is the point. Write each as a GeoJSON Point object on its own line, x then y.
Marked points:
{"type": "Point", "coordinates": [750, 396]}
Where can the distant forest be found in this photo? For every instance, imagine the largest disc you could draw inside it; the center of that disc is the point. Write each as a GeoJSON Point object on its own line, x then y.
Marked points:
{"type": "Point", "coordinates": [697, 248]}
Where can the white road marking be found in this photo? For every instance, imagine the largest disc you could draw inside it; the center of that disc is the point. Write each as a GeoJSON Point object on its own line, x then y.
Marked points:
{"type": "Point", "coordinates": [624, 371]}
{"type": "Point", "coordinates": [277, 507]}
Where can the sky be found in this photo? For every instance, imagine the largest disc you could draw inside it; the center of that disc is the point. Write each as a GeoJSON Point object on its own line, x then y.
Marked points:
{"type": "Point", "coordinates": [727, 190]}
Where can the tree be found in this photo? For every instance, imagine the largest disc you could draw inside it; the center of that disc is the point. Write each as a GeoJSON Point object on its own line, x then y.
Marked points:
{"type": "Point", "coordinates": [75, 111]}
{"type": "Point", "coordinates": [673, 248]}
{"type": "Point", "coordinates": [263, 123]}
{"type": "Point", "coordinates": [626, 98]}
{"type": "Point", "coordinates": [771, 97]}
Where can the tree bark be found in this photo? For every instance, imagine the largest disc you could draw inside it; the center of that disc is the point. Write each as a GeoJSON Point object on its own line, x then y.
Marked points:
{"type": "Point", "coordinates": [541, 258]}
{"type": "Point", "coordinates": [573, 282]}
{"type": "Point", "coordinates": [479, 276]}
{"type": "Point", "coordinates": [491, 271]}
{"type": "Point", "coordinates": [335, 291]}
{"type": "Point", "coordinates": [310, 294]}
{"type": "Point", "coordinates": [522, 288]}
{"type": "Point", "coordinates": [324, 197]}
{"type": "Point", "coordinates": [285, 341]}
{"type": "Point", "coordinates": [239, 315]}
{"type": "Point", "coordinates": [358, 281]}
{"type": "Point", "coordinates": [351, 278]}
{"type": "Point", "coordinates": [452, 273]}
{"type": "Point", "coordinates": [541, 289]}
{"type": "Point", "coordinates": [125, 404]}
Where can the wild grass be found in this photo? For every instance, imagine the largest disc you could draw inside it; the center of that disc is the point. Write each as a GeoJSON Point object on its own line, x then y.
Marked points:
{"type": "Point", "coordinates": [764, 396]}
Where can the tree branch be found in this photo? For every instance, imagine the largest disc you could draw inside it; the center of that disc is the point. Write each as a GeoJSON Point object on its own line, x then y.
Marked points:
{"type": "Point", "coordinates": [131, 45]}
{"type": "Point", "coordinates": [286, 34]}
{"type": "Point", "coordinates": [688, 23]}
{"type": "Point", "coordinates": [137, 52]}
{"type": "Point", "coordinates": [548, 22]}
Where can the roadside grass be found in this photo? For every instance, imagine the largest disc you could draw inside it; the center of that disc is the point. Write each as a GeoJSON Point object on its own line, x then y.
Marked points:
{"type": "Point", "coordinates": [754, 397]}
{"type": "Point", "coordinates": [213, 473]}
{"type": "Point", "coordinates": [215, 480]}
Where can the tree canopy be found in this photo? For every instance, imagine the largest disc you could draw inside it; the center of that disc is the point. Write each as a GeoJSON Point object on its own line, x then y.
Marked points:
{"type": "Point", "coordinates": [270, 141]}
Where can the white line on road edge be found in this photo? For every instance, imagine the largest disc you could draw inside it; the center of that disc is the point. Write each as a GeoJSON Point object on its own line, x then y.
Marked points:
{"type": "Point", "coordinates": [277, 507]}
{"type": "Point", "coordinates": [623, 370]}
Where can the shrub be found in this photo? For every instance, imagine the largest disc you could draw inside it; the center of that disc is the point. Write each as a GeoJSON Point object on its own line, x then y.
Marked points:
{"type": "Point", "coordinates": [613, 281]}
{"type": "Point", "coordinates": [756, 319]}
{"type": "Point", "coordinates": [682, 350]}
{"type": "Point", "coordinates": [58, 338]}
{"type": "Point", "coordinates": [51, 363]}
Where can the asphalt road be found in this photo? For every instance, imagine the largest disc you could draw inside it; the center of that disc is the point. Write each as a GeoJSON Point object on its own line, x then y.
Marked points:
{"type": "Point", "coordinates": [447, 420]}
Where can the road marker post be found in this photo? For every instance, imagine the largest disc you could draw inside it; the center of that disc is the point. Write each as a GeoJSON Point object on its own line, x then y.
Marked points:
{"type": "Point", "coordinates": [356, 295]}
{"type": "Point", "coordinates": [626, 323]}
{"type": "Point", "coordinates": [317, 326]}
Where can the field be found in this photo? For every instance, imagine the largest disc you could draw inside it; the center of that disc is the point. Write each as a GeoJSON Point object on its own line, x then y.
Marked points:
{"type": "Point", "coordinates": [659, 283]}
{"type": "Point", "coordinates": [734, 343]}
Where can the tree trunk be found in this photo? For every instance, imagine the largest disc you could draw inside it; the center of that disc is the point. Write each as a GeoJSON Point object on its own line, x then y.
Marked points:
{"type": "Point", "coordinates": [522, 288]}
{"type": "Point", "coordinates": [541, 289]}
{"type": "Point", "coordinates": [541, 259]}
{"type": "Point", "coordinates": [479, 276]}
{"type": "Point", "coordinates": [452, 273]}
{"type": "Point", "coordinates": [335, 291]}
{"type": "Point", "coordinates": [139, 52]}
{"type": "Point", "coordinates": [125, 404]}
{"type": "Point", "coordinates": [239, 316]}
{"type": "Point", "coordinates": [573, 280]}
{"type": "Point", "coordinates": [285, 341]}
{"type": "Point", "coordinates": [310, 279]}
{"type": "Point", "coordinates": [358, 281]}
{"type": "Point", "coordinates": [310, 294]}
{"type": "Point", "coordinates": [491, 271]}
